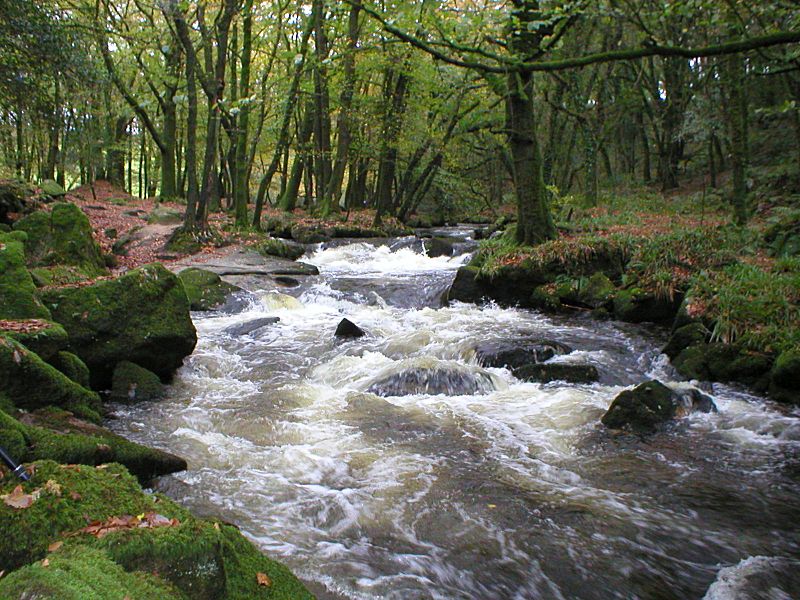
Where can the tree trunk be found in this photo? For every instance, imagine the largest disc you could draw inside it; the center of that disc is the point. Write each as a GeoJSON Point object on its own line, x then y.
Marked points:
{"type": "Point", "coordinates": [736, 116]}
{"type": "Point", "coordinates": [241, 183]}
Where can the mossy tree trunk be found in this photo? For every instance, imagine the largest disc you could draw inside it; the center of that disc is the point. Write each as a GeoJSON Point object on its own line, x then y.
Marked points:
{"type": "Point", "coordinates": [241, 183]}
{"type": "Point", "coordinates": [734, 81]}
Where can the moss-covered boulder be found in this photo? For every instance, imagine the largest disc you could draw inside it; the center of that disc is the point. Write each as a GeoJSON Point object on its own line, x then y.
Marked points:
{"type": "Point", "coordinates": [637, 306]}
{"type": "Point", "coordinates": [723, 362]}
{"type": "Point", "coordinates": [80, 572]}
{"type": "Point", "coordinates": [592, 292]}
{"type": "Point", "coordinates": [275, 247]}
{"type": "Point", "coordinates": [132, 383]}
{"type": "Point", "coordinates": [784, 384]}
{"type": "Point", "coordinates": [55, 434]}
{"type": "Point", "coordinates": [438, 246]}
{"type": "Point", "coordinates": [652, 404]}
{"type": "Point", "coordinates": [45, 338]}
{"type": "Point", "coordinates": [52, 189]}
{"type": "Point", "coordinates": [72, 366]}
{"type": "Point", "coordinates": [141, 317]}
{"type": "Point", "coordinates": [17, 290]}
{"type": "Point", "coordinates": [76, 496]}
{"type": "Point", "coordinates": [30, 383]}
{"type": "Point", "coordinates": [306, 234]}
{"type": "Point", "coordinates": [62, 237]}
{"type": "Point", "coordinates": [206, 560]}
{"type": "Point", "coordinates": [685, 336]}
{"type": "Point", "coordinates": [205, 290]}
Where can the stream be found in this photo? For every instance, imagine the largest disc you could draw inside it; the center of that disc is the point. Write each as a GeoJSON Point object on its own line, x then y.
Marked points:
{"type": "Point", "coordinates": [510, 490]}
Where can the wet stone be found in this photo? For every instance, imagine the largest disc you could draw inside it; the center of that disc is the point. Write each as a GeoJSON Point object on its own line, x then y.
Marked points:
{"type": "Point", "coordinates": [348, 329]}
{"type": "Point", "coordinates": [250, 326]}
{"type": "Point", "coordinates": [514, 354]}
{"type": "Point", "coordinates": [450, 382]}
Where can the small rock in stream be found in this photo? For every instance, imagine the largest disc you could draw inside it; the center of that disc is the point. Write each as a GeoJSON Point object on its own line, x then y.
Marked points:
{"type": "Point", "coordinates": [548, 372]}
{"type": "Point", "coordinates": [348, 329]}
{"type": "Point", "coordinates": [250, 326]}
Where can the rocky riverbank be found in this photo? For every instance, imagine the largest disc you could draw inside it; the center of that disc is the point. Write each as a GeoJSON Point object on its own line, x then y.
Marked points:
{"type": "Point", "coordinates": [733, 318]}
{"type": "Point", "coordinates": [72, 336]}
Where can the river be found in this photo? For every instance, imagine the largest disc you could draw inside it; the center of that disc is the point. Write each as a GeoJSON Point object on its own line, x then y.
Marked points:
{"type": "Point", "coordinates": [515, 491]}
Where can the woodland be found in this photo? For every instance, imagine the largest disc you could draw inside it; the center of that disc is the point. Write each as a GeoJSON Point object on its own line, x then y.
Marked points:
{"type": "Point", "coordinates": [583, 216]}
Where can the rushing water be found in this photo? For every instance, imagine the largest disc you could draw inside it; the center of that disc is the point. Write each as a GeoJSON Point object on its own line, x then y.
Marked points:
{"type": "Point", "coordinates": [514, 492]}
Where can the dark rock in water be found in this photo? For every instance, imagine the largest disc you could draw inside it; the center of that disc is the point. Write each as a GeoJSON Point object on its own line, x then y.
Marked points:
{"type": "Point", "coordinates": [296, 269]}
{"type": "Point", "coordinates": [236, 303]}
{"type": "Point", "coordinates": [450, 382]}
{"type": "Point", "coordinates": [347, 328]}
{"type": "Point", "coordinates": [250, 326]}
{"type": "Point", "coordinates": [438, 247]}
{"type": "Point", "coordinates": [651, 404]}
{"type": "Point", "coordinates": [466, 287]}
{"type": "Point", "coordinates": [514, 354]}
{"type": "Point", "coordinates": [286, 281]}
{"type": "Point", "coordinates": [557, 372]}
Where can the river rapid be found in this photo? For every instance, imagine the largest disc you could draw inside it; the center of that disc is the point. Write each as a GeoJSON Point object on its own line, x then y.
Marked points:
{"type": "Point", "coordinates": [514, 492]}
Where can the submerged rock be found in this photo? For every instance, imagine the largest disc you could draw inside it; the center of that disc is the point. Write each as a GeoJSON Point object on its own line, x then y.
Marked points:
{"type": "Point", "coordinates": [348, 329]}
{"type": "Point", "coordinates": [513, 354]}
{"type": "Point", "coordinates": [250, 326]}
{"type": "Point", "coordinates": [547, 372]}
{"type": "Point", "coordinates": [651, 404]}
{"type": "Point", "coordinates": [433, 381]}
{"type": "Point", "coordinates": [141, 317]}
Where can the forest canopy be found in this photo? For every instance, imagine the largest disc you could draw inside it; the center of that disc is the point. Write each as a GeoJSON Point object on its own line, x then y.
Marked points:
{"type": "Point", "coordinates": [449, 107]}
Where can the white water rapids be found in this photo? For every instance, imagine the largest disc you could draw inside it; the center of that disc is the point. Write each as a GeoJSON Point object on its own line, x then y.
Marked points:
{"type": "Point", "coordinates": [515, 492]}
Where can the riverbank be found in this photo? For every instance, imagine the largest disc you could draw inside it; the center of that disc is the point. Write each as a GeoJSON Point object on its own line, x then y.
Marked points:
{"type": "Point", "coordinates": [729, 295]}
{"type": "Point", "coordinates": [79, 330]}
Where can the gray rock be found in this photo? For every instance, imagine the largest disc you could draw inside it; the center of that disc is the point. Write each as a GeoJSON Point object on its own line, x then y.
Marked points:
{"type": "Point", "coordinates": [250, 326]}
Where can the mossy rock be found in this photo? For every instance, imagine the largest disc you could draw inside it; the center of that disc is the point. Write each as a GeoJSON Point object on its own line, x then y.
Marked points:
{"type": "Point", "coordinates": [132, 383]}
{"type": "Point", "coordinates": [545, 299]}
{"type": "Point", "coordinates": [182, 242]}
{"type": "Point", "coordinates": [142, 317]}
{"type": "Point", "coordinates": [205, 290]}
{"type": "Point", "coordinates": [304, 234]}
{"type": "Point", "coordinates": [14, 196]}
{"type": "Point", "coordinates": [80, 572]}
{"type": "Point", "coordinates": [637, 306]}
{"type": "Point", "coordinates": [205, 560]}
{"type": "Point", "coordinates": [467, 286]}
{"type": "Point", "coordinates": [279, 248]}
{"type": "Point", "coordinates": [595, 292]}
{"type": "Point", "coordinates": [722, 362]}
{"type": "Point", "coordinates": [62, 237]}
{"type": "Point", "coordinates": [52, 188]}
{"type": "Point", "coordinates": [72, 366]}
{"type": "Point", "coordinates": [641, 409]}
{"type": "Point", "coordinates": [784, 384]}
{"type": "Point", "coordinates": [13, 437]}
{"type": "Point", "coordinates": [81, 494]}
{"type": "Point", "coordinates": [45, 338]}
{"type": "Point", "coordinates": [57, 435]}
{"type": "Point", "coordinates": [685, 336]}
{"type": "Point", "coordinates": [57, 275]}
{"type": "Point", "coordinates": [163, 215]}
{"type": "Point", "coordinates": [31, 383]}
{"type": "Point", "coordinates": [17, 290]}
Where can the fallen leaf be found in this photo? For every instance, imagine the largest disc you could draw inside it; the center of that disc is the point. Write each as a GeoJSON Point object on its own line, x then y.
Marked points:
{"type": "Point", "coordinates": [263, 579]}
{"type": "Point", "coordinates": [18, 498]}
{"type": "Point", "coordinates": [46, 562]}
{"type": "Point", "coordinates": [54, 546]}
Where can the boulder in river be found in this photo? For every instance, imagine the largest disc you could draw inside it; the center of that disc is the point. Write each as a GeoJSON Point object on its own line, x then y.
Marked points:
{"type": "Point", "coordinates": [513, 354]}
{"type": "Point", "coordinates": [651, 404]}
{"type": "Point", "coordinates": [142, 317]}
{"type": "Point", "coordinates": [438, 246]}
{"type": "Point", "coordinates": [433, 381]}
{"type": "Point", "coordinates": [547, 372]}
{"type": "Point", "coordinates": [348, 329]}
{"type": "Point", "coordinates": [249, 327]}
{"type": "Point", "coordinates": [132, 383]}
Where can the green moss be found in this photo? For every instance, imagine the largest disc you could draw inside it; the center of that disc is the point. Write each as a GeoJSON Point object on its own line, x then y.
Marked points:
{"type": "Point", "coordinates": [590, 292]}
{"type": "Point", "coordinates": [638, 306]}
{"type": "Point", "coordinates": [275, 247]}
{"type": "Point", "coordinates": [142, 317]}
{"type": "Point", "coordinates": [84, 573]}
{"type": "Point", "coordinates": [685, 336]}
{"type": "Point", "coordinates": [132, 383]}
{"type": "Point", "coordinates": [205, 289]}
{"type": "Point", "coordinates": [205, 560]}
{"type": "Point", "coordinates": [57, 275]}
{"type": "Point", "coordinates": [84, 494]}
{"type": "Point", "coordinates": [785, 377]}
{"type": "Point", "coordinates": [722, 362]}
{"type": "Point", "coordinates": [62, 237]}
{"type": "Point", "coordinates": [13, 437]}
{"type": "Point", "coordinates": [545, 298]}
{"type": "Point", "coordinates": [184, 242]}
{"type": "Point", "coordinates": [71, 366]}
{"type": "Point", "coordinates": [17, 299]}
{"type": "Point", "coordinates": [46, 341]}
{"type": "Point", "coordinates": [31, 383]}
{"type": "Point", "coordinates": [52, 189]}
{"type": "Point", "coordinates": [165, 216]}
